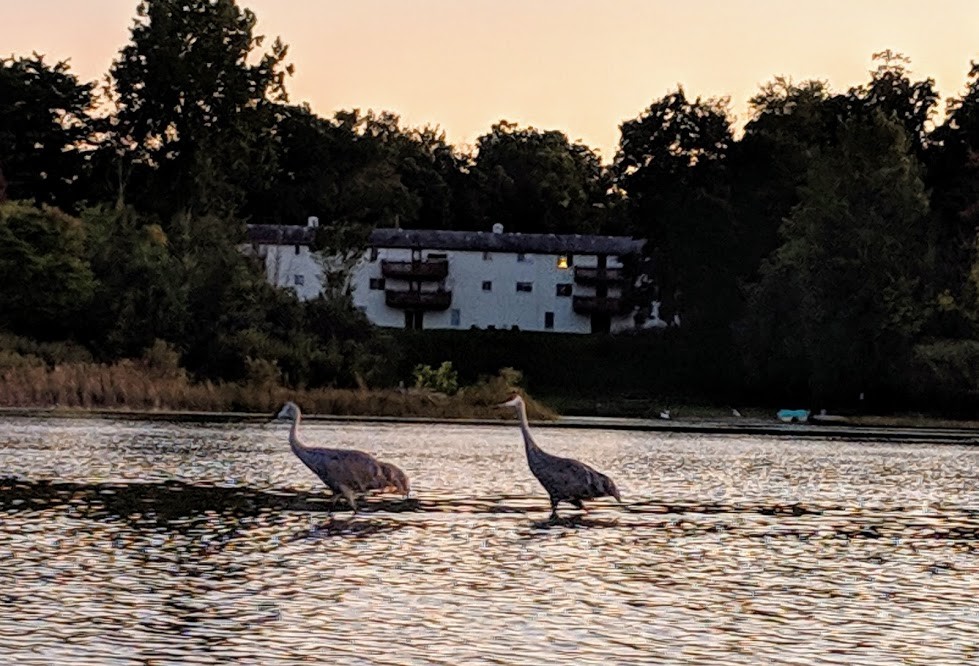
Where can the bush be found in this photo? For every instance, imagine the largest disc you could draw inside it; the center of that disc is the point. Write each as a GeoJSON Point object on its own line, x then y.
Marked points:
{"type": "Point", "coordinates": [443, 380]}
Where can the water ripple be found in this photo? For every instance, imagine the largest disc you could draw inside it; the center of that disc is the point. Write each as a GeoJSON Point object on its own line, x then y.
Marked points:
{"type": "Point", "coordinates": [135, 543]}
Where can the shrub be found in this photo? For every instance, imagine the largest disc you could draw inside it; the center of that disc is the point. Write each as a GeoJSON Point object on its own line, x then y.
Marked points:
{"type": "Point", "coordinates": [443, 380]}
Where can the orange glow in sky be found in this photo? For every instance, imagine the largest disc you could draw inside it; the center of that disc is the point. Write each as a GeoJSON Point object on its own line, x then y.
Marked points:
{"type": "Point", "coordinates": [581, 66]}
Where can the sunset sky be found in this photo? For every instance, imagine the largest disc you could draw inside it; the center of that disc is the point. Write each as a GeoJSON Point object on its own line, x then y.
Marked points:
{"type": "Point", "coordinates": [581, 66]}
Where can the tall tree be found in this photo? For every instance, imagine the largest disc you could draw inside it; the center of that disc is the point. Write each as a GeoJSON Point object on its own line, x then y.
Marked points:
{"type": "Point", "coordinates": [892, 92]}
{"type": "Point", "coordinates": [193, 95]}
{"type": "Point", "coordinates": [533, 180]}
{"type": "Point", "coordinates": [44, 128]}
{"type": "Point", "coordinates": [789, 124]}
{"type": "Point", "coordinates": [671, 166]}
{"type": "Point", "coordinates": [851, 264]}
{"type": "Point", "coordinates": [953, 176]}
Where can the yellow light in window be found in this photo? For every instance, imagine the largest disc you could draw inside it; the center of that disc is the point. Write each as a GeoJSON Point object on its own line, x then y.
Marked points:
{"type": "Point", "coordinates": [562, 262]}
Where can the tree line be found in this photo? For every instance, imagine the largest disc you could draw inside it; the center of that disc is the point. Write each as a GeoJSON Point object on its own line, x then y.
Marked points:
{"type": "Point", "coordinates": [828, 247]}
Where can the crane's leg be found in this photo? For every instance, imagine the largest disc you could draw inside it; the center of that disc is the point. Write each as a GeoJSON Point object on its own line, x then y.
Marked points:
{"type": "Point", "coordinates": [349, 495]}
{"type": "Point", "coordinates": [554, 502]}
{"type": "Point", "coordinates": [578, 505]}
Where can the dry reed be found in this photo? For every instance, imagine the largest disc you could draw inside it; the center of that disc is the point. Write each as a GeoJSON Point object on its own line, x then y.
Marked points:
{"type": "Point", "coordinates": [133, 385]}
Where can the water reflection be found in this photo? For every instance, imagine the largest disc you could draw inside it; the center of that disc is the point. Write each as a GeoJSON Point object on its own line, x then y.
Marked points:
{"type": "Point", "coordinates": [153, 542]}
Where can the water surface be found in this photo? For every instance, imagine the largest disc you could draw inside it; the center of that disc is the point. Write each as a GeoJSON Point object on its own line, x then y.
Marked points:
{"type": "Point", "coordinates": [159, 543]}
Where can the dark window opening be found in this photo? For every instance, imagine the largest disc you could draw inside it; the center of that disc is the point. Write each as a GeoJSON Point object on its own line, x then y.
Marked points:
{"type": "Point", "coordinates": [548, 320]}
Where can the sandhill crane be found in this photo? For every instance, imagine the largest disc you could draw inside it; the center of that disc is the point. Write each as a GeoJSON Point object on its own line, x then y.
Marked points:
{"type": "Point", "coordinates": [564, 479]}
{"type": "Point", "coordinates": [346, 472]}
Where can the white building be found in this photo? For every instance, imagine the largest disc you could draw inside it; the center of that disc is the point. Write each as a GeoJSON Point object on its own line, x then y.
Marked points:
{"type": "Point", "coordinates": [482, 280]}
{"type": "Point", "coordinates": [288, 255]}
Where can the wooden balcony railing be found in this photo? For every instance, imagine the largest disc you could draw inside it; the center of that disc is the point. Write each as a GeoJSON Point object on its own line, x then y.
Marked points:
{"type": "Point", "coordinates": [424, 269]}
{"type": "Point", "coordinates": [418, 300]}
{"type": "Point", "coordinates": [587, 305]}
{"type": "Point", "coordinates": [585, 275]}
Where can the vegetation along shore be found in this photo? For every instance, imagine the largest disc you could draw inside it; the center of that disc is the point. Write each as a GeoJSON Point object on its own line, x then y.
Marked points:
{"type": "Point", "coordinates": [820, 254]}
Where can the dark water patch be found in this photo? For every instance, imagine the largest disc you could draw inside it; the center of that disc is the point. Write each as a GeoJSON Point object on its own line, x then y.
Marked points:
{"type": "Point", "coordinates": [170, 502]}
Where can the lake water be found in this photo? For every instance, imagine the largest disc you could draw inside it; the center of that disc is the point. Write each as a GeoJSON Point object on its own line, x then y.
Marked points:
{"type": "Point", "coordinates": [160, 543]}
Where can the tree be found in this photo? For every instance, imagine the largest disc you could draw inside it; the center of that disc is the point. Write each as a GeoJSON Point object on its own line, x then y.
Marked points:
{"type": "Point", "coordinates": [141, 295]}
{"type": "Point", "coordinates": [192, 116]}
{"type": "Point", "coordinates": [44, 127]}
{"type": "Point", "coordinates": [891, 91]}
{"type": "Point", "coordinates": [532, 180]}
{"type": "Point", "coordinates": [953, 177]}
{"type": "Point", "coordinates": [671, 167]}
{"type": "Point", "coordinates": [47, 283]}
{"type": "Point", "coordinates": [852, 249]}
{"type": "Point", "coordinates": [789, 124]}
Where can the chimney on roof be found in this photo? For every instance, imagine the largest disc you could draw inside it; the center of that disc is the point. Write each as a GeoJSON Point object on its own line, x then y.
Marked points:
{"type": "Point", "coordinates": [497, 228]}
{"type": "Point", "coordinates": [312, 221]}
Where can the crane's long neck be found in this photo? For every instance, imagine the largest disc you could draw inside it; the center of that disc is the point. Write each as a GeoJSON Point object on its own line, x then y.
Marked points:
{"type": "Point", "coordinates": [529, 444]}
{"type": "Point", "coordinates": [294, 441]}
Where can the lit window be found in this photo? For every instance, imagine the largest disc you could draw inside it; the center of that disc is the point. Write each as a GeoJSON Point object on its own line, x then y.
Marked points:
{"type": "Point", "coordinates": [487, 285]}
{"type": "Point", "coordinates": [377, 284]}
{"type": "Point", "coordinates": [562, 262]}
{"type": "Point", "coordinates": [548, 320]}
{"type": "Point", "coordinates": [299, 280]}
{"type": "Point", "coordinates": [564, 290]}
{"type": "Point", "coordinates": [525, 286]}
{"type": "Point", "coordinates": [454, 317]}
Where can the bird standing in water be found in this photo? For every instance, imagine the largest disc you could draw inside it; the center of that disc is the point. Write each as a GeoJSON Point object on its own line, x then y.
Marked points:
{"type": "Point", "coordinates": [564, 479]}
{"type": "Point", "coordinates": [346, 472]}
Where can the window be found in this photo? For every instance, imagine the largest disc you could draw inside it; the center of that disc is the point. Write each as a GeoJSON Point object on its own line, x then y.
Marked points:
{"type": "Point", "coordinates": [299, 280]}
{"type": "Point", "coordinates": [297, 248]}
{"type": "Point", "coordinates": [373, 256]}
{"type": "Point", "coordinates": [548, 320]}
{"type": "Point", "coordinates": [454, 317]}
{"type": "Point", "coordinates": [436, 256]}
{"type": "Point", "coordinates": [564, 290]}
{"type": "Point", "coordinates": [487, 256]}
{"type": "Point", "coordinates": [562, 262]}
{"type": "Point", "coordinates": [521, 257]}
{"type": "Point", "coordinates": [414, 320]}
{"type": "Point", "coordinates": [525, 286]}
{"type": "Point", "coordinates": [377, 284]}
{"type": "Point", "coordinates": [487, 285]}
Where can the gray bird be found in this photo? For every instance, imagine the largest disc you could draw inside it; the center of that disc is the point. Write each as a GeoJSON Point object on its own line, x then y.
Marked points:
{"type": "Point", "coordinates": [346, 472]}
{"type": "Point", "coordinates": [564, 479]}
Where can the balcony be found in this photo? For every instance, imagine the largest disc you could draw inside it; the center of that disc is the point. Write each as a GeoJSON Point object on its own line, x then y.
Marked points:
{"type": "Point", "coordinates": [420, 270]}
{"type": "Point", "coordinates": [418, 300]}
{"type": "Point", "coordinates": [591, 276]}
{"type": "Point", "coordinates": [588, 305]}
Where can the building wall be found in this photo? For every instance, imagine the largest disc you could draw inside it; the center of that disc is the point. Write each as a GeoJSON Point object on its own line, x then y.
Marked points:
{"type": "Point", "coordinates": [292, 267]}
{"type": "Point", "coordinates": [503, 307]}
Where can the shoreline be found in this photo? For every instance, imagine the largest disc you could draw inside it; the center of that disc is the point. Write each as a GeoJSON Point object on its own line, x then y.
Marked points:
{"type": "Point", "coordinates": [961, 432]}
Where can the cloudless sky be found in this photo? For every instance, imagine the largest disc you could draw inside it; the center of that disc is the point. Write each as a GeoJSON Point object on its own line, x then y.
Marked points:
{"type": "Point", "coordinates": [581, 66]}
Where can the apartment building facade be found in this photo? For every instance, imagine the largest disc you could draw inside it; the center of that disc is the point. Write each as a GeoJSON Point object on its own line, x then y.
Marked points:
{"type": "Point", "coordinates": [433, 279]}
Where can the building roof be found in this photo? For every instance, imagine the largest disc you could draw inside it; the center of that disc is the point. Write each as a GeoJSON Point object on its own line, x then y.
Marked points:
{"type": "Point", "coordinates": [484, 241]}
{"type": "Point", "coordinates": [281, 234]}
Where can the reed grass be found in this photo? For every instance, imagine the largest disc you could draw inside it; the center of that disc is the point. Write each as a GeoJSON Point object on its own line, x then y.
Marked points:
{"type": "Point", "coordinates": [135, 385]}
